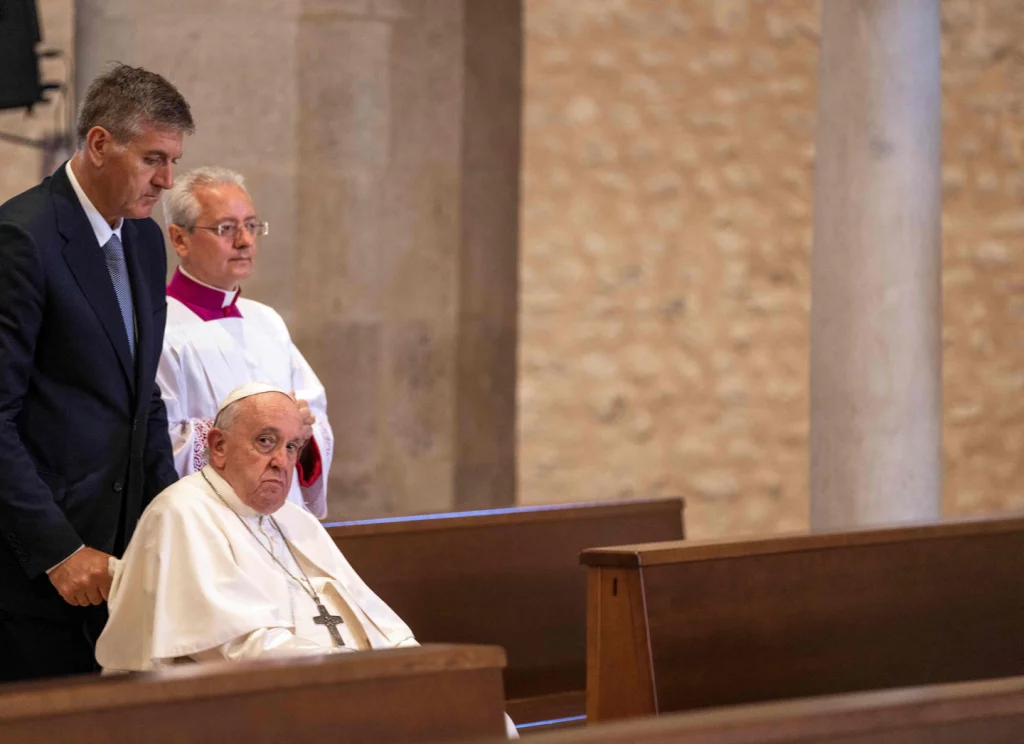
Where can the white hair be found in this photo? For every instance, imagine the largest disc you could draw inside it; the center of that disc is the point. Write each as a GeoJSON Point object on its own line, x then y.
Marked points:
{"type": "Point", "coordinates": [181, 207]}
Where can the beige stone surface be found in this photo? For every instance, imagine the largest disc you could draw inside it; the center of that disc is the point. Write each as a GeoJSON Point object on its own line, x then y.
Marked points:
{"type": "Point", "coordinates": [665, 278]}
{"type": "Point", "coordinates": [666, 217]}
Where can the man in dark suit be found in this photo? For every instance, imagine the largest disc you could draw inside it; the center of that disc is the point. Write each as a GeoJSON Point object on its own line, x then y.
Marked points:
{"type": "Point", "coordinates": [83, 431]}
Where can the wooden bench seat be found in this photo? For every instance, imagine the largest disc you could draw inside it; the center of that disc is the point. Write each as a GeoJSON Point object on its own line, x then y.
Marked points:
{"type": "Point", "coordinates": [509, 577]}
{"type": "Point", "coordinates": [677, 626]}
{"type": "Point", "coordinates": [404, 695]}
{"type": "Point", "coordinates": [985, 712]}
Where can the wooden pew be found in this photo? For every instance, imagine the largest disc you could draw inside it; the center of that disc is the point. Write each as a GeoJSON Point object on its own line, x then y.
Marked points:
{"type": "Point", "coordinates": [986, 712]}
{"type": "Point", "coordinates": [405, 695]}
{"type": "Point", "coordinates": [509, 577]}
{"type": "Point", "coordinates": [677, 626]}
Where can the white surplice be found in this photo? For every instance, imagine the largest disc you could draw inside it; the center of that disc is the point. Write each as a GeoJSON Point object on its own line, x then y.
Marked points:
{"type": "Point", "coordinates": [204, 360]}
{"type": "Point", "coordinates": [195, 584]}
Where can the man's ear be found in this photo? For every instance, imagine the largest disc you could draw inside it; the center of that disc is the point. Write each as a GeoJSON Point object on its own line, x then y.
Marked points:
{"type": "Point", "coordinates": [179, 240]}
{"type": "Point", "coordinates": [216, 441]}
{"type": "Point", "coordinates": [98, 145]}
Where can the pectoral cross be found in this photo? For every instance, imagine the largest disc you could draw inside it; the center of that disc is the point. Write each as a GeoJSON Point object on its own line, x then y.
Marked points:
{"type": "Point", "coordinates": [331, 621]}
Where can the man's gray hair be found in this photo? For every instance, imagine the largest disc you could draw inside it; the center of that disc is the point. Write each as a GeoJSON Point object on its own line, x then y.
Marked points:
{"type": "Point", "coordinates": [227, 416]}
{"type": "Point", "coordinates": [224, 421]}
{"type": "Point", "coordinates": [181, 207]}
{"type": "Point", "coordinates": [122, 98]}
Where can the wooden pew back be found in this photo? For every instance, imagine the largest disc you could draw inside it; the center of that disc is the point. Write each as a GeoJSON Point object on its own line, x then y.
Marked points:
{"type": "Point", "coordinates": [681, 626]}
{"type": "Point", "coordinates": [509, 577]}
{"type": "Point", "coordinates": [405, 695]}
{"type": "Point", "coordinates": [987, 712]}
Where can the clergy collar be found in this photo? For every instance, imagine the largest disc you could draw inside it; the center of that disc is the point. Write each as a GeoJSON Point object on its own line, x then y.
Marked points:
{"type": "Point", "coordinates": [100, 227]}
{"type": "Point", "coordinates": [209, 303]}
{"type": "Point", "coordinates": [222, 488]}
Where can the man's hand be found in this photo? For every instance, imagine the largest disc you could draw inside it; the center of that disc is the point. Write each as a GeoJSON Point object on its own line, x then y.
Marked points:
{"type": "Point", "coordinates": [308, 419]}
{"type": "Point", "coordinates": [83, 579]}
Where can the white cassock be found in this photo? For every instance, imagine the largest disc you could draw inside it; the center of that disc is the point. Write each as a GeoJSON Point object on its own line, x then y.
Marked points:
{"type": "Point", "coordinates": [207, 355]}
{"type": "Point", "coordinates": [194, 584]}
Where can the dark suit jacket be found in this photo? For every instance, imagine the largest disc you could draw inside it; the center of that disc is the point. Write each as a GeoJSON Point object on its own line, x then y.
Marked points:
{"type": "Point", "coordinates": [83, 431]}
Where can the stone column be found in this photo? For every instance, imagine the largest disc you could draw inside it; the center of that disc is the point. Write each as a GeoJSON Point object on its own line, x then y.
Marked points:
{"type": "Point", "coordinates": [876, 398]}
{"type": "Point", "coordinates": [384, 140]}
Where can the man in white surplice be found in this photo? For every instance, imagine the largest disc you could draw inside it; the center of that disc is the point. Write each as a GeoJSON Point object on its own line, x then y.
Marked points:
{"type": "Point", "coordinates": [223, 566]}
{"type": "Point", "coordinates": [216, 340]}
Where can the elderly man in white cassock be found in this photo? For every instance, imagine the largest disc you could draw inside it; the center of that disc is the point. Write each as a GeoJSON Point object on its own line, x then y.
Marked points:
{"type": "Point", "coordinates": [223, 566]}
{"type": "Point", "coordinates": [216, 339]}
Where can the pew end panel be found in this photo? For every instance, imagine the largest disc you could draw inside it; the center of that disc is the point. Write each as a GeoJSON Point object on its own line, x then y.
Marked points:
{"type": "Point", "coordinates": [620, 677]}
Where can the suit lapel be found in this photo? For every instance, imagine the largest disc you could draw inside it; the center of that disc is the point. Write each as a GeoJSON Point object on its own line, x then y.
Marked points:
{"type": "Point", "coordinates": [86, 261]}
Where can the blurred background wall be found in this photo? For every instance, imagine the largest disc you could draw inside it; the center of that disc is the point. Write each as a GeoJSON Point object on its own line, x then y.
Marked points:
{"type": "Point", "coordinates": [666, 226]}
{"type": "Point", "coordinates": [664, 235]}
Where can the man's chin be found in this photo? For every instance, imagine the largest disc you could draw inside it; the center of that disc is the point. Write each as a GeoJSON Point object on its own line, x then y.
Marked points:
{"type": "Point", "coordinates": [143, 208]}
{"type": "Point", "coordinates": [243, 270]}
{"type": "Point", "coordinates": [269, 500]}
{"type": "Point", "coordinates": [141, 212]}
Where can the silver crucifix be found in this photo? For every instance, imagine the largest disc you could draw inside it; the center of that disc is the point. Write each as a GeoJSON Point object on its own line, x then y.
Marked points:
{"type": "Point", "coordinates": [331, 621]}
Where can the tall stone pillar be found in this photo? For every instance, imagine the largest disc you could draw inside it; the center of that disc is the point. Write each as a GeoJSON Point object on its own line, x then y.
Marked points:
{"type": "Point", "coordinates": [876, 399]}
{"type": "Point", "coordinates": [381, 140]}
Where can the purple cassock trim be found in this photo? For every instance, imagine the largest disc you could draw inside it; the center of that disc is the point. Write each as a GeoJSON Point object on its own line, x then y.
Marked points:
{"type": "Point", "coordinates": [203, 301]}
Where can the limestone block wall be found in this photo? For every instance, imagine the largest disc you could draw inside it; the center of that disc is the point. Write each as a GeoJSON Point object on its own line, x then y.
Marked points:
{"type": "Point", "coordinates": [666, 232]}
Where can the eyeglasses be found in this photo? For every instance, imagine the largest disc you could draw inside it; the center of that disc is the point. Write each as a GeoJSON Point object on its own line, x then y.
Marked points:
{"type": "Point", "coordinates": [230, 229]}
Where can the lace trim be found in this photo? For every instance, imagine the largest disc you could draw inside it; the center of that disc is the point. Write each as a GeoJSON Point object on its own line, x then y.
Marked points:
{"type": "Point", "coordinates": [202, 427]}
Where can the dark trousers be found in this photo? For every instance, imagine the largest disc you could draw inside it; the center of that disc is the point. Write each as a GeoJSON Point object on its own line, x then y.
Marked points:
{"type": "Point", "coordinates": [34, 647]}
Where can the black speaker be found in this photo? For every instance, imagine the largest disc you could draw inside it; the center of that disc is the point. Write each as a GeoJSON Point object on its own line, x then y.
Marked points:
{"type": "Point", "coordinates": [20, 86]}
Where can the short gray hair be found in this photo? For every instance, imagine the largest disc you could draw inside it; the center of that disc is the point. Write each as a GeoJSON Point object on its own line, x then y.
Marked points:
{"type": "Point", "coordinates": [120, 99]}
{"type": "Point", "coordinates": [227, 416]}
{"type": "Point", "coordinates": [181, 207]}
{"type": "Point", "coordinates": [224, 421]}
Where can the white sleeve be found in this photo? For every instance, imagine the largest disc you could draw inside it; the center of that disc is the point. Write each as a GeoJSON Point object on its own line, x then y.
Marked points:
{"type": "Point", "coordinates": [188, 435]}
{"type": "Point", "coordinates": [264, 643]}
{"type": "Point", "coordinates": [307, 387]}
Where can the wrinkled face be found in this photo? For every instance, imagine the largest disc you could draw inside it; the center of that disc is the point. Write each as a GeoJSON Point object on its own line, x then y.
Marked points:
{"type": "Point", "coordinates": [218, 261]}
{"type": "Point", "coordinates": [131, 177]}
{"type": "Point", "coordinates": [257, 455]}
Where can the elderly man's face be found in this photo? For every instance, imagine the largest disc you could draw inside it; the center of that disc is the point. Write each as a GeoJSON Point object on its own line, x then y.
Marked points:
{"type": "Point", "coordinates": [131, 177]}
{"type": "Point", "coordinates": [257, 455]}
{"type": "Point", "coordinates": [218, 261]}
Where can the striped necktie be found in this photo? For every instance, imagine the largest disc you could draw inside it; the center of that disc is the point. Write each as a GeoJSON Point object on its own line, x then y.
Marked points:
{"type": "Point", "coordinates": [118, 269]}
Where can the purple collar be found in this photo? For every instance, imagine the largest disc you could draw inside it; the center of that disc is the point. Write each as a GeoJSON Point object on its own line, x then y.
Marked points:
{"type": "Point", "coordinates": [205, 302]}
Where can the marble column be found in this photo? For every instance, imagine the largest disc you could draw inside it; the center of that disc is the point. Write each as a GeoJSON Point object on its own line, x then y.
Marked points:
{"type": "Point", "coordinates": [381, 138]}
{"type": "Point", "coordinates": [875, 397]}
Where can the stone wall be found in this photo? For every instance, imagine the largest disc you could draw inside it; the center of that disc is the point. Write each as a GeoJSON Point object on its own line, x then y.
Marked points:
{"type": "Point", "coordinates": [666, 223]}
